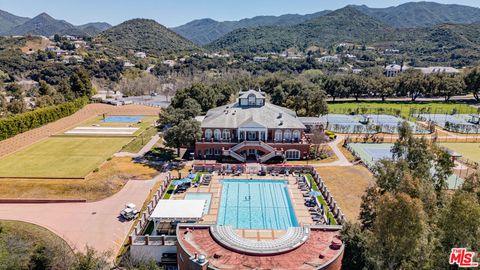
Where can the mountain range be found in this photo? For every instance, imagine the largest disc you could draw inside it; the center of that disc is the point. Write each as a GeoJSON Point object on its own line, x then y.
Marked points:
{"type": "Point", "coordinates": [408, 15]}
{"type": "Point", "coordinates": [43, 24]}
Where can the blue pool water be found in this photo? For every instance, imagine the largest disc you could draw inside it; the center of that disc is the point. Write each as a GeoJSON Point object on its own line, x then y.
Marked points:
{"type": "Point", "coordinates": [122, 119]}
{"type": "Point", "coordinates": [256, 204]}
{"type": "Point", "coordinates": [201, 196]}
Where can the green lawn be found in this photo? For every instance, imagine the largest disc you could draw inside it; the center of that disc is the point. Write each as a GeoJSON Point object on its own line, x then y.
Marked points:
{"type": "Point", "coordinates": [322, 200]}
{"type": "Point", "coordinates": [403, 108]}
{"type": "Point", "coordinates": [61, 157]}
{"type": "Point", "coordinates": [140, 141]}
{"type": "Point", "coordinates": [470, 151]}
{"type": "Point", "coordinates": [168, 193]}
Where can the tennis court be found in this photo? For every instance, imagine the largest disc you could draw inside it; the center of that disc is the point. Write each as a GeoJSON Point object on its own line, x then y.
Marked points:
{"type": "Point", "coordinates": [367, 124]}
{"type": "Point", "coordinates": [370, 153]}
{"type": "Point", "coordinates": [459, 123]}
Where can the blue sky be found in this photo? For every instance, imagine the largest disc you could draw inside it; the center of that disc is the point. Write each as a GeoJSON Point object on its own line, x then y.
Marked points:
{"type": "Point", "coordinates": [177, 12]}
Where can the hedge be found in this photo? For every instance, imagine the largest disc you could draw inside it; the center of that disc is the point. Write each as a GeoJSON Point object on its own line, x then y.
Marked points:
{"type": "Point", "coordinates": [20, 123]}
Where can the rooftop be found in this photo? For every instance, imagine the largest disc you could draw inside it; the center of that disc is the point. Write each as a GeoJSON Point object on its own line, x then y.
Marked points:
{"type": "Point", "coordinates": [321, 248]}
{"type": "Point", "coordinates": [179, 210]}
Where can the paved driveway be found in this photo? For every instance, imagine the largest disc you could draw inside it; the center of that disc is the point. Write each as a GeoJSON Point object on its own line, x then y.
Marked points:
{"type": "Point", "coordinates": [95, 224]}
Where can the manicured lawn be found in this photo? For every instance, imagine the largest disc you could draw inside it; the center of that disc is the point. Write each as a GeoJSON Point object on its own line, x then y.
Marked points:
{"type": "Point", "coordinates": [168, 193]}
{"type": "Point", "coordinates": [61, 157]}
{"type": "Point", "coordinates": [470, 151]}
{"type": "Point", "coordinates": [140, 141]}
{"type": "Point", "coordinates": [147, 122]}
{"type": "Point", "coordinates": [322, 200]}
{"type": "Point", "coordinates": [404, 108]}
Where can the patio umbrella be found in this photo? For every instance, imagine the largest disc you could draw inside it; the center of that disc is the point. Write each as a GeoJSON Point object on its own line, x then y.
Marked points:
{"type": "Point", "coordinates": [192, 176]}
{"type": "Point", "coordinates": [315, 193]}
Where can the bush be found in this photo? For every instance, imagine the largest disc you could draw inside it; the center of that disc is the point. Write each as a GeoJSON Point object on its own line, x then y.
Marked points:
{"type": "Point", "coordinates": [20, 123]}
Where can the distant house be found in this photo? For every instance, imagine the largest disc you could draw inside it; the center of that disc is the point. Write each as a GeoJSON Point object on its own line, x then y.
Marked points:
{"type": "Point", "coordinates": [72, 59]}
{"type": "Point", "coordinates": [68, 37]}
{"type": "Point", "coordinates": [260, 59]}
{"type": "Point", "coordinates": [140, 55]}
{"type": "Point", "coordinates": [436, 70]}
{"type": "Point", "coordinates": [169, 63]}
{"type": "Point", "coordinates": [79, 44]}
{"type": "Point", "coordinates": [350, 56]}
{"type": "Point", "coordinates": [329, 59]}
{"type": "Point", "coordinates": [394, 70]}
{"type": "Point", "coordinates": [357, 70]}
{"type": "Point", "coordinates": [392, 51]}
{"type": "Point", "coordinates": [128, 64]}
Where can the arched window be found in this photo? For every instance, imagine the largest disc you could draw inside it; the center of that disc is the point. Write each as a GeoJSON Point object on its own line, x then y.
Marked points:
{"type": "Point", "coordinates": [226, 134]}
{"type": "Point", "coordinates": [251, 99]}
{"type": "Point", "coordinates": [287, 135]}
{"type": "Point", "coordinates": [217, 134]}
{"type": "Point", "coordinates": [292, 154]}
{"type": "Point", "coordinates": [208, 134]}
{"type": "Point", "coordinates": [278, 135]}
{"type": "Point", "coordinates": [296, 135]}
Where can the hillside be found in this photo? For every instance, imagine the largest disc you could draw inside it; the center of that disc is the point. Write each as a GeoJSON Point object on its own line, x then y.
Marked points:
{"type": "Point", "coordinates": [346, 24]}
{"type": "Point", "coordinates": [204, 31]}
{"type": "Point", "coordinates": [9, 21]}
{"type": "Point", "coordinates": [94, 28]}
{"type": "Point", "coordinates": [44, 25]}
{"type": "Point", "coordinates": [144, 35]}
{"type": "Point", "coordinates": [423, 14]}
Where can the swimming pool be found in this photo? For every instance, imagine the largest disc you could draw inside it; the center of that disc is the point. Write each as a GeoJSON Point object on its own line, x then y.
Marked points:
{"type": "Point", "coordinates": [256, 204]}
{"type": "Point", "coordinates": [201, 196]}
{"type": "Point", "coordinates": [122, 119]}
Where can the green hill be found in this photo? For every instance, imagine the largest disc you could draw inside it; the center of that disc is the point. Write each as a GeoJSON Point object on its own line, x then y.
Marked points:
{"type": "Point", "coordinates": [45, 25]}
{"type": "Point", "coordinates": [9, 21]}
{"type": "Point", "coordinates": [423, 14]}
{"type": "Point", "coordinates": [144, 35]}
{"type": "Point", "coordinates": [204, 31]}
{"type": "Point", "coordinates": [346, 24]}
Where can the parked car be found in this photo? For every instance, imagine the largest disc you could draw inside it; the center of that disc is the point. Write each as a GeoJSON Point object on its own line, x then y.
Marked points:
{"type": "Point", "coordinates": [130, 211]}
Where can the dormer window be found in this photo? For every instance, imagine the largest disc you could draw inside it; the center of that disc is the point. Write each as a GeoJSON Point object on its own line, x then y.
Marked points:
{"type": "Point", "coordinates": [251, 100]}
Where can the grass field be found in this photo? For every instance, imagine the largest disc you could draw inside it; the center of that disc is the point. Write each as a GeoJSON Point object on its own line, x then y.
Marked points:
{"type": "Point", "coordinates": [470, 151]}
{"type": "Point", "coordinates": [347, 185]}
{"type": "Point", "coordinates": [403, 108]}
{"type": "Point", "coordinates": [60, 157]}
{"type": "Point", "coordinates": [110, 178]}
{"type": "Point", "coordinates": [140, 141]}
{"type": "Point", "coordinates": [147, 122]}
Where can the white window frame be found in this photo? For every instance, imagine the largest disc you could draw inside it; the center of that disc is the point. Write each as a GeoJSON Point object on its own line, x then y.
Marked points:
{"type": "Point", "coordinates": [217, 134]}
{"type": "Point", "coordinates": [208, 134]}
{"type": "Point", "coordinates": [287, 135]}
{"type": "Point", "coordinates": [278, 135]}
{"type": "Point", "coordinates": [226, 134]}
{"type": "Point", "coordinates": [296, 135]}
{"type": "Point", "coordinates": [293, 154]}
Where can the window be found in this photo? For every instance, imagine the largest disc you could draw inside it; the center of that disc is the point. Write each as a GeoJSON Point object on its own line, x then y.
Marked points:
{"type": "Point", "coordinates": [208, 134]}
{"type": "Point", "coordinates": [278, 135]}
{"type": "Point", "coordinates": [226, 134]}
{"type": "Point", "coordinates": [217, 134]}
{"type": "Point", "coordinates": [251, 100]}
{"type": "Point", "coordinates": [287, 135]}
{"type": "Point", "coordinates": [292, 154]}
{"type": "Point", "coordinates": [296, 135]}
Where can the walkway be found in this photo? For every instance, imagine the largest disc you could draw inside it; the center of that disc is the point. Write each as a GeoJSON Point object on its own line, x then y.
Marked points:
{"type": "Point", "coordinates": [94, 224]}
{"type": "Point", "coordinates": [341, 159]}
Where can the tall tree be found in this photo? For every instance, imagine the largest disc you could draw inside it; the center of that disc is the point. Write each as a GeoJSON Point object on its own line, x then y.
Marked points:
{"type": "Point", "coordinates": [472, 82]}
{"type": "Point", "coordinates": [185, 134]}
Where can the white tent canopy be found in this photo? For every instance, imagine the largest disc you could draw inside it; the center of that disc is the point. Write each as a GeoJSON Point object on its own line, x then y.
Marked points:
{"type": "Point", "coordinates": [178, 210]}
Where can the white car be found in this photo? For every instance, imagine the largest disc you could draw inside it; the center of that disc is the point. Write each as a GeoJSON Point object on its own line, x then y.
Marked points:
{"type": "Point", "coordinates": [130, 212]}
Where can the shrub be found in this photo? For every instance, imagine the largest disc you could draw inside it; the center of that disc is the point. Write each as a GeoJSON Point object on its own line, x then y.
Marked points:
{"type": "Point", "coordinates": [20, 123]}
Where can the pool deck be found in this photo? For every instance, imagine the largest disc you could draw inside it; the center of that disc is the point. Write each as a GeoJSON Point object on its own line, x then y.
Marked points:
{"type": "Point", "coordinates": [215, 187]}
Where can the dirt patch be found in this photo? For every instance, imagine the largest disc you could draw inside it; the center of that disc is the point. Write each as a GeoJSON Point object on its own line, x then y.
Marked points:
{"type": "Point", "coordinates": [347, 185]}
{"type": "Point", "coordinates": [34, 45]}
{"type": "Point", "coordinates": [111, 177]}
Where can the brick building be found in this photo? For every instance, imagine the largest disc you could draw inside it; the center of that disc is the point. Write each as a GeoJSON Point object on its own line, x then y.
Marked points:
{"type": "Point", "coordinates": [252, 128]}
